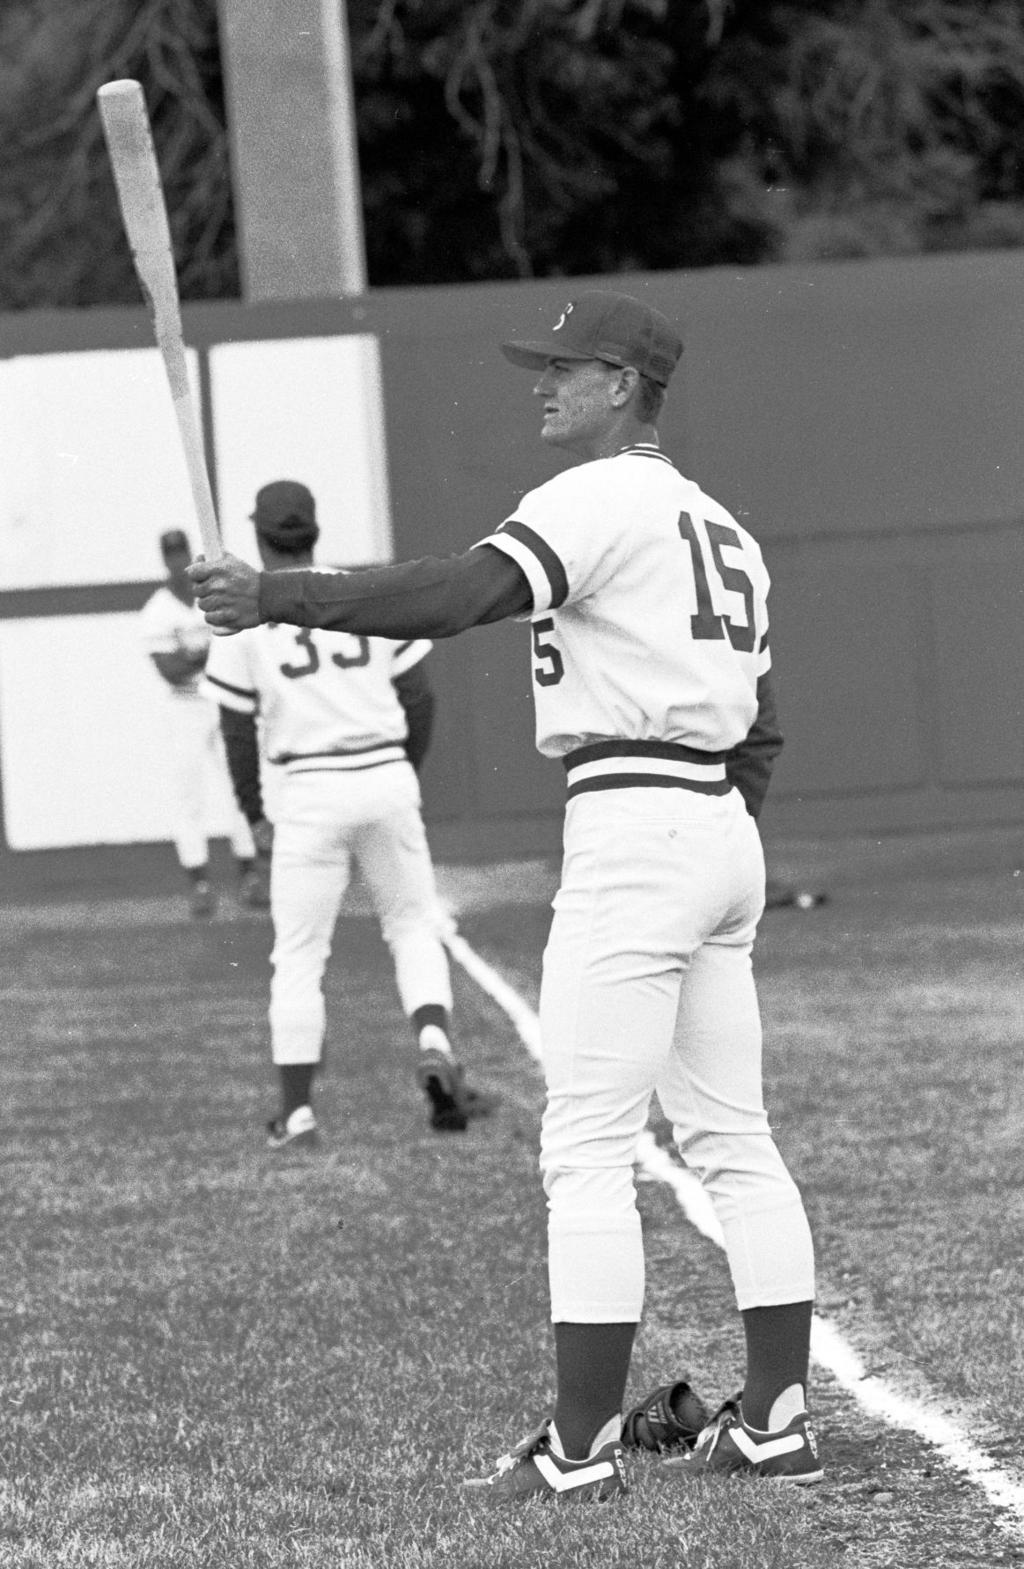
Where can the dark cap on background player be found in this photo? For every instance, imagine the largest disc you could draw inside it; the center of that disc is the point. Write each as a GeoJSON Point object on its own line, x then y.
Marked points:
{"type": "Point", "coordinates": [173, 542]}
{"type": "Point", "coordinates": [285, 515]}
{"type": "Point", "coordinates": [602, 325]}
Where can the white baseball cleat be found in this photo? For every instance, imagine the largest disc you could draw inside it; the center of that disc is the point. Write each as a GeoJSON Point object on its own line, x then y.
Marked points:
{"type": "Point", "coordinates": [297, 1132]}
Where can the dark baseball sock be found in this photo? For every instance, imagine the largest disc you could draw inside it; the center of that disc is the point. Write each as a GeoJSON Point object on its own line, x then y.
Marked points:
{"type": "Point", "coordinates": [429, 1013]}
{"type": "Point", "coordinates": [198, 874]}
{"type": "Point", "coordinates": [778, 1352]}
{"type": "Point", "coordinates": [593, 1365]}
{"type": "Point", "coordinates": [296, 1085]}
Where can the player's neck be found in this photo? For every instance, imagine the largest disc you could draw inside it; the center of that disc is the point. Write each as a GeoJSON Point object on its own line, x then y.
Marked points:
{"type": "Point", "coordinates": [624, 435]}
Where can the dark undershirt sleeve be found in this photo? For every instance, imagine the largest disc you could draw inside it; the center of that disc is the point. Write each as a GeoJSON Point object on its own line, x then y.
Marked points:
{"type": "Point", "coordinates": [749, 765]}
{"type": "Point", "coordinates": [417, 700]}
{"type": "Point", "coordinates": [241, 746]}
{"type": "Point", "coordinates": [435, 597]}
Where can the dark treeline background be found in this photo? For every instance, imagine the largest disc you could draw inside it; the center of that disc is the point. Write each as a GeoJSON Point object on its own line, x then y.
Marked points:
{"type": "Point", "coordinates": [541, 138]}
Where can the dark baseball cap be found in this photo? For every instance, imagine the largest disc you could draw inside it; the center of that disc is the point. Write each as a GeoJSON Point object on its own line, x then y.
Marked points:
{"type": "Point", "coordinates": [283, 501]}
{"type": "Point", "coordinates": [174, 539]}
{"type": "Point", "coordinates": [601, 325]}
{"type": "Point", "coordinates": [285, 513]}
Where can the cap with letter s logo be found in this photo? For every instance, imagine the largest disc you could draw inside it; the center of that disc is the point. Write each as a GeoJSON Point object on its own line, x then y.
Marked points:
{"type": "Point", "coordinates": [605, 325]}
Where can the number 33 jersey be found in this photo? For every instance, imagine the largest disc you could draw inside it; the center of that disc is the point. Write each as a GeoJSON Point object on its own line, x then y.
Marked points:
{"type": "Point", "coordinates": [650, 619]}
{"type": "Point", "coordinates": [324, 698]}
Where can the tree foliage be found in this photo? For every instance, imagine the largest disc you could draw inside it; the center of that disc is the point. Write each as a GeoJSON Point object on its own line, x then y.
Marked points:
{"type": "Point", "coordinates": [60, 231]}
{"type": "Point", "coordinates": [872, 127]}
{"type": "Point", "coordinates": [517, 138]}
{"type": "Point", "coordinates": [551, 135]}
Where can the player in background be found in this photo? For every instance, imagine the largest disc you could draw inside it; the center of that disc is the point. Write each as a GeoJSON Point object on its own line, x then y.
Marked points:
{"type": "Point", "coordinates": [648, 618]}
{"type": "Point", "coordinates": [346, 721]}
{"type": "Point", "coordinates": [177, 639]}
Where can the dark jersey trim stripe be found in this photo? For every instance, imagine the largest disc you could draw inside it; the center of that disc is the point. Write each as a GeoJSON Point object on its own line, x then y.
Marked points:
{"type": "Point", "coordinates": [553, 568]}
{"type": "Point", "coordinates": [645, 781]}
{"type": "Point", "coordinates": [646, 452]}
{"type": "Point", "coordinates": [341, 751]}
{"type": "Point", "coordinates": [596, 750]}
{"type": "Point", "coordinates": [238, 691]}
{"type": "Point", "coordinates": [356, 768]}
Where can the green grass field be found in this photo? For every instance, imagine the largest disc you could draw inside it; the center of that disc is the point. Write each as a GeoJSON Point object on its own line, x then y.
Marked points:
{"type": "Point", "coordinates": [216, 1356]}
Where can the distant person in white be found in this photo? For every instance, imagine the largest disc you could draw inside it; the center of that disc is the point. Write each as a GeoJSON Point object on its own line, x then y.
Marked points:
{"type": "Point", "coordinates": [175, 636]}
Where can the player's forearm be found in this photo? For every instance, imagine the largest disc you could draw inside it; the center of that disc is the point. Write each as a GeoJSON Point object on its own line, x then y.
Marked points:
{"type": "Point", "coordinates": [242, 749]}
{"type": "Point", "coordinates": [749, 765]}
{"type": "Point", "coordinates": [413, 692]}
{"type": "Point", "coordinates": [428, 598]}
{"type": "Point", "coordinates": [419, 718]}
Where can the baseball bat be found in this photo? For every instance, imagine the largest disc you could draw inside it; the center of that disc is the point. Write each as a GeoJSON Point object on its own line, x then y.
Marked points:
{"type": "Point", "coordinates": [140, 195]}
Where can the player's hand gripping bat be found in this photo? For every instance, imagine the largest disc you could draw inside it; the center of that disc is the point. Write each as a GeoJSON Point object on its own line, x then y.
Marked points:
{"type": "Point", "coordinates": [140, 193]}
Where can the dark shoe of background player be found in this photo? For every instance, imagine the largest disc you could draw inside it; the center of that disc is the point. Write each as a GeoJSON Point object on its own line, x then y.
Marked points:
{"type": "Point", "coordinates": [728, 1447]}
{"type": "Point", "coordinates": [252, 888]}
{"type": "Point", "coordinates": [451, 1102]}
{"type": "Point", "coordinates": [535, 1469]}
{"type": "Point", "coordinates": [201, 899]}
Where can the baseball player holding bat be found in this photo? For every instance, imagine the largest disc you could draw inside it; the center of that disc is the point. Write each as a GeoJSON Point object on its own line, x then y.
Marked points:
{"type": "Point", "coordinates": [347, 721]}
{"type": "Point", "coordinates": [647, 606]}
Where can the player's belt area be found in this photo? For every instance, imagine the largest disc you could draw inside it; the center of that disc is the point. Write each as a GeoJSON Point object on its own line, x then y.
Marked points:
{"type": "Point", "coordinates": [343, 762]}
{"type": "Point", "coordinates": [623, 765]}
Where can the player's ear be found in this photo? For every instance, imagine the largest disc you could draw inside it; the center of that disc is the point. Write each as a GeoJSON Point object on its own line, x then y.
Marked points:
{"type": "Point", "coordinates": [625, 384]}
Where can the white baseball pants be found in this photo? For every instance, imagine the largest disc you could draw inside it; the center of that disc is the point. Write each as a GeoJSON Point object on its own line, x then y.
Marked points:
{"type": "Point", "coordinates": [324, 820]}
{"type": "Point", "coordinates": [647, 985]}
{"type": "Point", "coordinates": [200, 784]}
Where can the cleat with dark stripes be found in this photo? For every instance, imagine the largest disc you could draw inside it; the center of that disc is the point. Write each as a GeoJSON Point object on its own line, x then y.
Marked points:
{"type": "Point", "coordinates": [728, 1447]}
{"type": "Point", "coordinates": [534, 1470]}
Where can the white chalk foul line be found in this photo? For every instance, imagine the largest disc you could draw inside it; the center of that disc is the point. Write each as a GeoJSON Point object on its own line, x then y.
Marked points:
{"type": "Point", "coordinates": [828, 1346]}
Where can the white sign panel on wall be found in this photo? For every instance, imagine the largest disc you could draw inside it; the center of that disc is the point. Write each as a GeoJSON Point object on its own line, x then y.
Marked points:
{"type": "Point", "coordinates": [85, 756]}
{"type": "Point", "coordinates": [309, 409]}
{"type": "Point", "coordinates": [91, 470]}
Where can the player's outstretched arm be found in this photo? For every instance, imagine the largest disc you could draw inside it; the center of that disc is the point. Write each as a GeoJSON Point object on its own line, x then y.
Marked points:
{"type": "Point", "coordinates": [433, 597]}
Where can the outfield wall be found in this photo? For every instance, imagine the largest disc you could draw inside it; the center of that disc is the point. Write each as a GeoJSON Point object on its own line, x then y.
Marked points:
{"type": "Point", "coordinates": [861, 418]}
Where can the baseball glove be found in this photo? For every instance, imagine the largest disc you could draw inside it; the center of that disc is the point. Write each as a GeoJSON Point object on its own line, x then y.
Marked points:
{"type": "Point", "coordinates": [668, 1418]}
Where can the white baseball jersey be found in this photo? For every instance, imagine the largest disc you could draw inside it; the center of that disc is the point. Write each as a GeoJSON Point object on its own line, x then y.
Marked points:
{"type": "Point", "coordinates": [650, 620]}
{"type": "Point", "coordinates": [167, 625]}
{"type": "Point", "coordinates": [326, 700]}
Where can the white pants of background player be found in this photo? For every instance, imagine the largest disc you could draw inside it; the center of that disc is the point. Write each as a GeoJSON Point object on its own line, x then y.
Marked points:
{"type": "Point", "coordinates": [648, 986]}
{"type": "Point", "coordinates": [200, 783]}
{"type": "Point", "coordinates": [324, 821]}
